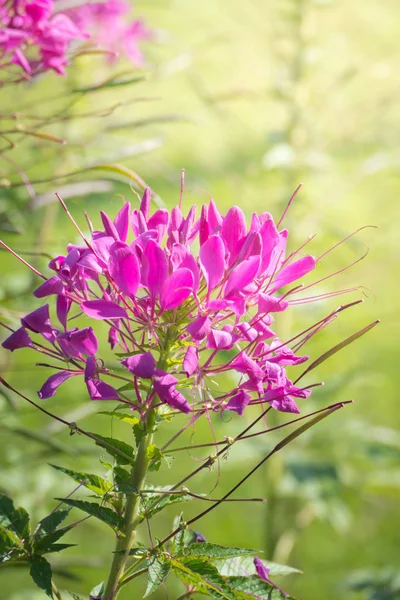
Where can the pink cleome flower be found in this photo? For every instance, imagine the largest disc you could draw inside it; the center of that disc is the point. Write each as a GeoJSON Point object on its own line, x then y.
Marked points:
{"type": "Point", "coordinates": [36, 37]}
{"type": "Point", "coordinates": [189, 303]}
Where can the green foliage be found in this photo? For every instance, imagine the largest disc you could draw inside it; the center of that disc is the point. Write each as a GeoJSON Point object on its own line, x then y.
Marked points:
{"type": "Point", "coordinates": [122, 452]}
{"type": "Point", "coordinates": [41, 574]}
{"type": "Point", "coordinates": [155, 458]}
{"type": "Point", "coordinates": [94, 483]}
{"type": "Point", "coordinates": [245, 565]}
{"type": "Point", "coordinates": [204, 576]}
{"type": "Point", "coordinates": [127, 418]}
{"type": "Point", "coordinates": [255, 587]}
{"type": "Point", "coordinates": [155, 502]}
{"type": "Point", "coordinates": [97, 591]}
{"type": "Point", "coordinates": [103, 513]}
{"type": "Point", "coordinates": [157, 572]}
{"type": "Point", "coordinates": [215, 551]}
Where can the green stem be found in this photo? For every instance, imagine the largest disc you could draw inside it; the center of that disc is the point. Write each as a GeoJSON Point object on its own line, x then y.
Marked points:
{"type": "Point", "coordinates": [126, 539]}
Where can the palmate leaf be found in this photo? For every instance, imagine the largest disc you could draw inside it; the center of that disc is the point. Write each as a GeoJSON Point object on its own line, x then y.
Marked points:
{"type": "Point", "coordinates": [119, 415]}
{"type": "Point", "coordinates": [244, 565]}
{"type": "Point", "coordinates": [157, 572]}
{"type": "Point", "coordinates": [8, 541]}
{"type": "Point", "coordinates": [16, 519]}
{"type": "Point", "coordinates": [103, 513]}
{"type": "Point", "coordinates": [121, 451]}
{"type": "Point", "coordinates": [51, 522]}
{"type": "Point", "coordinates": [154, 503]}
{"type": "Point", "coordinates": [254, 587]}
{"type": "Point", "coordinates": [94, 483]}
{"type": "Point", "coordinates": [203, 575]}
{"type": "Point", "coordinates": [43, 543]}
{"type": "Point", "coordinates": [215, 551]}
{"type": "Point", "coordinates": [41, 574]}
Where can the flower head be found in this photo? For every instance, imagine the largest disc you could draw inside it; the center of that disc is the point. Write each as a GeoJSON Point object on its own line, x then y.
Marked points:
{"type": "Point", "coordinates": [186, 300]}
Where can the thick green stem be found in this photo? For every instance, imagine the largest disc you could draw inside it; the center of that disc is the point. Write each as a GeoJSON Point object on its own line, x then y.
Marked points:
{"type": "Point", "coordinates": [126, 539]}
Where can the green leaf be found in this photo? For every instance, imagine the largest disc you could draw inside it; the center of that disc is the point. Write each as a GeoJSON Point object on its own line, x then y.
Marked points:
{"type": "Point", "coordinates": [76, 596]}
{"type": "Point", "coordinates": [155, 456]}
{"type": "Point", "coordinates": [122, 480]}
{"type": "Point", "coordinates": [52, 521]}
{"type": "Point", "coordinates": [16, 519]}
{"type": "Point", "coordinates": [122, 452]}
{"type": "Point", "coordinates": [121, 416]}
{"type": "Point", "coordinates": [157, 572]}
{"type": "Point", "coordinates": [97, 591]}
{"type": "Point", "coordinates": [337, 348]}
{"type": "Point", "coordinates": [41, 574]}
{"type": "Point", "coordinates": [204, 576]}
{"type": "Point", "coordinates": [215, 551]}
{"type": "Point", "coordinates": [59, 547]}
{"type": "Point", "coordinates": [178, 539]}
{"type": "Point", "coordinates": [255, 587]}
{"type": "Point", "coordinates": [43, 543]}
{"type": "Point", "coordinates": [94, 483]}
{"type": "Point", "coordinates": [107, 515]}
{"type": "Point", "coordinates": [155, 502]}
{"type": "Point", "coordinates": [8, 541]}
{"type": "Point", "coordinates": [244, 565]}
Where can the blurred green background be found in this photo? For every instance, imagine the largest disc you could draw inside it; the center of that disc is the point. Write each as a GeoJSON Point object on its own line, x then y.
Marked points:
{"type": "Point", "coordinates": [250, 98]}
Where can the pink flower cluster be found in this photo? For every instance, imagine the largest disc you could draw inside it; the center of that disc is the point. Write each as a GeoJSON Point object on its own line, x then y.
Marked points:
{"type": "Point", "coordinates": [187, 300]}
{"type": "Point", "coordinates": [108, 26]}
{"type": "Point", "coordinates": [35, 37]}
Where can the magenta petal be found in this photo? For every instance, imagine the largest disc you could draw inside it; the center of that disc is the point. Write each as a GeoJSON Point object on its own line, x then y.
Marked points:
{"type": "Point", "coordinates": [221, 340]}
{"type": "Point", "coordinates": [63, 304]}
{"type": "Point", "coordinates": [294, 271]}
{"type": "Point", "coordinates": [124, 268]}
{"type": "Point", "coordinates": [109, 226]}
{"type": "Point", "coordinates": [270, 239]}
{"type": "Point", "coordinates": [267, 304]}
{"type": "Point", "coordinates": [38, 320]}
{"type": "Point", "coordinates": [244, 364]}
{"type": "Point", "coordinates": [103, 309]}
{"type": "Point", "coordinates": [155, 267]}
{"type": "Point", "coordinates": [145, 203]}
{"type": "Point", "coordinates": [141, 365]}
{"type": "Point", "coordinates": [261, 569]}
{"type": "Point", "coordinates": [159, 222]}
{"type": "Point", "coordinates": [99, 390]}
{"type": "Point", "coordinates": [214, 217]}
{"type": "Point", "coordinates": [212, 260]}
{"type": "Point", "coordinates": [54, 285]}
{"type": "Point", "coordinates": [238, 402]}
{"type": "Point", "coordinates": [280, 399]}
{"type": "Point", "coordinates": [164, 386]}
{"type": "Point", "coordinates": [242, 275]}
{"type": "Point", "coordinates": [234, 231]}
{"type": "Point", "coordinates": [252, 246]}
{"type": "Point", "coordinates": [191, 361]}
{"type": "Point", "coordinates": [121, 222]}
{"type": "Point", "coordinates": [18, 339]}
{"type": "Point", "coordinates": [204, 230]}
{"type": "Point", "coordinates": [101, 246]}
{"type": "Point", "coordinates": [81, 341]}
{"type": "Point", "coordinates": [50, 386]}
{"type": "Point", "coordinates": [199, 328]}
{"type": "Point", "coordinates": [176, 289]}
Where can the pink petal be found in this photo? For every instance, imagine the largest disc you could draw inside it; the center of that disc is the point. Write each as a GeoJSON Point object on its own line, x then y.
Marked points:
{"type": "Point", "coordinates": [141, 365]}
{"type": "Point", "coordinates": [267, 304]}
{"type": "Point", "coordinates": [212, 261]}
{"type": "Point", "coordinates": [103, 309]}
{"type": "Point", "coordinates": [38, 320]}
{"type": "Point", "coordinates": [145, 203]}
{"type": "Point", "coordinates": [191, 361]}
{"type": "Point", "coordinates": [234, 231]}
{"type": "Point", "coordinates": [214, 217]}
{"type": "Point", "coordinates": [18, 339]}
{"type": "Point", "coordinates": [99, 390]}
{"type": "Point", "coordinates": [199, 328]}
{"type": "Point", "coordinates": [270, 239]}
{"type": "Point", "coordinates": [164, 386]}
{"type": "Point", "coordinates": [242, 275]}
{"type": "Point", "coordinates": [54, 285]}
{"type": "Point", "coordinates": [155, 267]}
{"type": "Point", "coordinates": [50, 386]}
{"type": "Point", "coordinates": [159, 221]}
{"type": "Point", "coordinates": [293, 272]}
{"type": "Point", "coordinates": [121, 222]}
{"type": "Point", "coordinates": [124, 268]}
{"type": "Point", "coordinates": [176, 289]}
{"type": "Point", "coordinates": [238, 402]}
{"type": "Point", "coordinates": [109, 226]}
